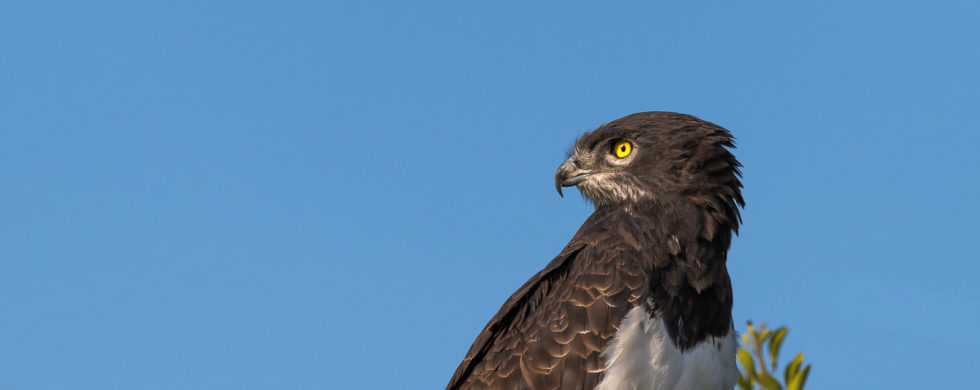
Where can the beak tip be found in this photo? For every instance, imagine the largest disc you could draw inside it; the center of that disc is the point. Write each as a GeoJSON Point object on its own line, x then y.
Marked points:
{"type": "Point", "coordinates": [561, 177]}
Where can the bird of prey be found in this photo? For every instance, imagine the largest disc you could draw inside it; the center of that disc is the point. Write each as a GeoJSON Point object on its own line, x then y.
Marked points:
{"type": "Point", "coordinates": [640, 298]}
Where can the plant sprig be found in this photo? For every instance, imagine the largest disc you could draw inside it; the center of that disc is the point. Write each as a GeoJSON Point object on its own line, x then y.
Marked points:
{"type": "Point", "coordinates": [754, 342]}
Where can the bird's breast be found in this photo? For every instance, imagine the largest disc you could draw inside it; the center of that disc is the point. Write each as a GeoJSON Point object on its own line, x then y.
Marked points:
{"type": "Point", "coordinates": [642, 357]}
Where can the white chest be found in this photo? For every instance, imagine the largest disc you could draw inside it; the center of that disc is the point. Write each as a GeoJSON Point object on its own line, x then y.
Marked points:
{"type": "Point", "coordinates": [642, 357]}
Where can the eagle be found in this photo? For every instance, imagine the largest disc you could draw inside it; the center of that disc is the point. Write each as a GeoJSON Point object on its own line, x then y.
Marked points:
{"type": "Point", "coordinates": [640, 298]}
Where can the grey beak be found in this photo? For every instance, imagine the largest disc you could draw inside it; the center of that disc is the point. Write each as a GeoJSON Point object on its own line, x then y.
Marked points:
{"type": "Point", "coordinates": [569, 174]}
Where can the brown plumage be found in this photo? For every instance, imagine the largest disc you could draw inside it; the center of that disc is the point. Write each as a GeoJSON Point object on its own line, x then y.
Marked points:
{"type": "Point", "coordinates": [659, 236]}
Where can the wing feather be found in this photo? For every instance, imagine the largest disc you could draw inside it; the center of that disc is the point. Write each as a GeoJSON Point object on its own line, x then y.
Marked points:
{"type": "Point", "coordinates": [551, 332]}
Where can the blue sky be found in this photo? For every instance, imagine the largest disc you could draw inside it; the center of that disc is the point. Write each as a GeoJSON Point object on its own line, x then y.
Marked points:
{"type": "Point", "coordinates": [256, 195]}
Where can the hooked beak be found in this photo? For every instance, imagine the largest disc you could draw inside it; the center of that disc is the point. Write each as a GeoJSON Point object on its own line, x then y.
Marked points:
{"type": "Point", "coordinates": [569, 174]}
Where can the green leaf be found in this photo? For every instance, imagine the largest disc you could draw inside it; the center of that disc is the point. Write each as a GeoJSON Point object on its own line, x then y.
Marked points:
{"type": "Point", "coordinates": [769, 382]}
{"type": "Point", "coordinates": [765, 335]}
{"type": "Point", "coordinates": [745, 339]}
{"type": "Point", "coordinates": [744, 382]}
{"type": "Point", "coordinates": [748, 365]}
{"type": "Point", "coordinates": [776, 343]}
{"type": "Point", "coordinates": [793, 367]}
{"type": "Point", "coordinates": [798, 380]}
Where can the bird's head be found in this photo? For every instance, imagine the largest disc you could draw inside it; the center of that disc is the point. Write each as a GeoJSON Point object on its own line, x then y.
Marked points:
{"type": "Point", "coordinates": [652, 156]}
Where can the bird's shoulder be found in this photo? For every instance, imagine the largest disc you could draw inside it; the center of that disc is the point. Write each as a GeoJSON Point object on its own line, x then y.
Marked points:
{"type": "Point", "coordinates": [561, 319]}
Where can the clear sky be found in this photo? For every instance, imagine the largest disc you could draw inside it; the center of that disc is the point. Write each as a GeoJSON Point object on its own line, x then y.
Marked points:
{"type": "Point", "coordinates": [273, 195]}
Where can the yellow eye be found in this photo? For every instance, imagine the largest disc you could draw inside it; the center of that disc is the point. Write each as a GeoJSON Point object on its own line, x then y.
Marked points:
{"type": "Point", "coordinates": [622, 149]}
